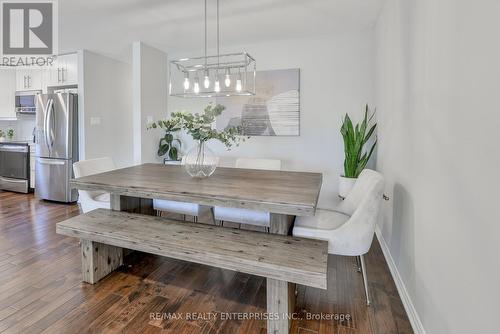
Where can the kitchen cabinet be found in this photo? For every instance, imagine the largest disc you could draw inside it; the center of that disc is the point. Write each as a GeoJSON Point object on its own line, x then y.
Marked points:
{"type": "Point", "coordinates": [36, 79]}
{"type": "Point", "coordinates": [29, 79]}
{"type": "Point", "coordinates": [21, 82]}
{"type": "Point", "coordinates": [71, 69]}
{"type": "Point", "coordinates": [7, 94]}
{"type": "Point", "coordinates": [64, 71]}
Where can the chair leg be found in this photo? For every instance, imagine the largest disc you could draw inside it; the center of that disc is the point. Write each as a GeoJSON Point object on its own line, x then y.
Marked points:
{"type": "Point", "coordinates": [365, 280]}
{"type": "Point", "coordinates": [195, 219]}
{"type": "Point", "coordinates": [358, 263]}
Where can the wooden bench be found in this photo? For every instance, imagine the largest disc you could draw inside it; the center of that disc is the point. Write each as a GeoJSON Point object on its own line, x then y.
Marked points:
{"type": "Point", "coordinates": [283, 260]}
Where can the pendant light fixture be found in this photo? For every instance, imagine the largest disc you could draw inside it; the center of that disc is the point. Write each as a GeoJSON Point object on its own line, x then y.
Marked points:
{"type": "Point", "coordinates": [236, 71]}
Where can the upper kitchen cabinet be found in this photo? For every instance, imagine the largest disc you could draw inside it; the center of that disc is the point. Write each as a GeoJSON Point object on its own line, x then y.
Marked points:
{"type": "Point", "coordinates": [71, 69]}
{"type": "Point", "coordinates": [64, 71]}
{"type": "Point", "coordinates": [29, 79]}
{"type": "Point", "coordinates": [7, 94]}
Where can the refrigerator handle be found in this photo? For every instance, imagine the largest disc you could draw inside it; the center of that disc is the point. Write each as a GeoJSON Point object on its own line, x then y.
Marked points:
{"type": "Point", "coordinates": [46, 126]}
{"type": "Point", "coordinates": [50, 161]}
{"type": "Point", "coordinates": [45, 114]}
{"type": "Point", "coordinates": [52, 124]}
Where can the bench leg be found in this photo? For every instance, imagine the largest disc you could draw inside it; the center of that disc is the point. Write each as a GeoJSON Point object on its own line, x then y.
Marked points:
{"type": "Point", "coordinates": [280, 305]}
{"type": "Point", "coordinates": [98, 260]}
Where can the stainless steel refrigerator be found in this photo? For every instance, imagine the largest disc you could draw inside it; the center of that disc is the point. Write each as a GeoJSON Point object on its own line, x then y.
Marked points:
{"type": "Point", "coordinates": [56, 146]}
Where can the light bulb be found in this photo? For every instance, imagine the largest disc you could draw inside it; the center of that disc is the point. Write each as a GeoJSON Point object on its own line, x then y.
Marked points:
{"type": "Point", "coordinates": [217, 86]}
{"type": "Point", "coordinates": [196, 88]}
{"type": "Point", "coordinates": [206, 82]}
{"type": "Point", "coordinates": [186, 81]}
{"type": "Point", "coordinates": [238, 85]}
{"type": "Point", "coordinates": [227, 81]}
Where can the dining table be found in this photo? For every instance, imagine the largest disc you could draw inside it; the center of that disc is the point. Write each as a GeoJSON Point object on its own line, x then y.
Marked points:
{"type": "Point", "coordinates": [284, 194]}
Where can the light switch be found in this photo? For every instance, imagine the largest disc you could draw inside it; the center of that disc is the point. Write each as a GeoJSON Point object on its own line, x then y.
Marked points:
{"type": "Point", "coordinates": [95, 120]}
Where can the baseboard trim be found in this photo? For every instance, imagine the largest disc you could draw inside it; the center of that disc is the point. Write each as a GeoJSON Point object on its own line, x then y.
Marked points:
{"type": "Point", "coordinates": [416, 324]}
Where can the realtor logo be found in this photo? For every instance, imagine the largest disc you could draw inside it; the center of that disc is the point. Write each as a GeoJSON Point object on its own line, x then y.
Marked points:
{"type": "Point", "coordinates": [28, 27]}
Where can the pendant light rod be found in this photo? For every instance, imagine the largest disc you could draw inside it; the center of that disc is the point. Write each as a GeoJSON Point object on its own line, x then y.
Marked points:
{"type": "Point", "coordinates": [205, 33]}
{"type": "Point", "coordinates": [218, 35]}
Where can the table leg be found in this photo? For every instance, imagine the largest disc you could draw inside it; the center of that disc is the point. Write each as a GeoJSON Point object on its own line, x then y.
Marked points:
{"type": "Point", "coordinates": [281, 224]}
{"type": "Point", "coordinates": [280, 306]}
{"type": "Point", "coordinates": [132, 204]}
{"type": "Point", "coordinates": [206, 215]}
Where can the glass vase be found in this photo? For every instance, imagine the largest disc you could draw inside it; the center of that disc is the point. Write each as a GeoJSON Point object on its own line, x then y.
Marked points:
{"type": "Point", "coordinates": [200, 161]}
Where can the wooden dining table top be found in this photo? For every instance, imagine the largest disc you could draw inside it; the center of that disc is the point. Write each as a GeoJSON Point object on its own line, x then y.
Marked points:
{"type": "Point", "coordinates": [284, 192]}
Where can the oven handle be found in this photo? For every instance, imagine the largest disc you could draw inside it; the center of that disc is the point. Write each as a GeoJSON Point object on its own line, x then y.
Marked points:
{"type": "Point", "coordinates": [12, 180]}
{"type": "Point", "coordinates": [14, 148]}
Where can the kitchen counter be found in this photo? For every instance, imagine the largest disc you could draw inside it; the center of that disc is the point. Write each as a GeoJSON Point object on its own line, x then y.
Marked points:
{"type": "Point", "coordinates": [29, 142]}
{"type": "Point", "coordinates": [21, 142]}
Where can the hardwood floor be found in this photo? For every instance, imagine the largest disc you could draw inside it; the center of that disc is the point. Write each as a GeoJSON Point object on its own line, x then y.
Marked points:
{"type": "Point", "coordinates": [41, 289]}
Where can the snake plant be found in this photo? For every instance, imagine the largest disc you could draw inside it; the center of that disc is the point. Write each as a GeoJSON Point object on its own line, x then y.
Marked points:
{"type": "Point", "coordinates": [355, 138]}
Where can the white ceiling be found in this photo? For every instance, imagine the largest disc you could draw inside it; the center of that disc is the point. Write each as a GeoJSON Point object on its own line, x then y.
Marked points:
{"type": "Point", "coordinates": [109, 26]}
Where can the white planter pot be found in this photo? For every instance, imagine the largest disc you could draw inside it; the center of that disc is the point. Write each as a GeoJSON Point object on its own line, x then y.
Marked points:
{"type": "Point", "coordinates": [345, 185]}
{"type": "Point", "coordinates": [172, 162]}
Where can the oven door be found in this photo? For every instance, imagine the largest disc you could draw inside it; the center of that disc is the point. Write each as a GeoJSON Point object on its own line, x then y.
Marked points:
{"type": "Point", "coordinates": [14, 161]}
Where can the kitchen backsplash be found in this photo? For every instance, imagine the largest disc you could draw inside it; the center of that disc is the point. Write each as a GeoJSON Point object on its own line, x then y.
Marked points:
{"type": "Point", "coordinates": [23, 127]}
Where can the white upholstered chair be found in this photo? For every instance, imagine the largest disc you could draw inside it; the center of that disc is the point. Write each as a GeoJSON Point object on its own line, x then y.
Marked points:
{"type": "Point", "coordinates": [247, 216]}
{"type": "Point", "coordinates": [91, 200]}
{"type": "Point", "coordinates": [181, 208]}
{"type": "Point", "coordinates": [251, 163]}
{"type": "Point", "coordinates": [349, 230]}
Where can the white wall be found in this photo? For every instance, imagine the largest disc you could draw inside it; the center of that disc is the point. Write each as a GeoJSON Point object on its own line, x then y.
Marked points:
{"type": "Point", "coordinates": [150, 90]}
{"type": "Point", "coordinates": [336, 77]}
{"type": "Point", "coordinates": [437, 97]}
{"type": "Point", "coordinates": [105, 96]}
{"type": "Point", "coordinates": [24, 127]}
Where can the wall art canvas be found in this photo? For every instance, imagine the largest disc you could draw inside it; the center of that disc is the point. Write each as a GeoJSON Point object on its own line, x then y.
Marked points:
{"type": "Point", "coordinates": [273, 111]}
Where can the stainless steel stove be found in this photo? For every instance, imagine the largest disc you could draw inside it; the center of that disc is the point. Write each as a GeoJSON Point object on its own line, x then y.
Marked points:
{"type": "Point", "coordinates": [15, 166]}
